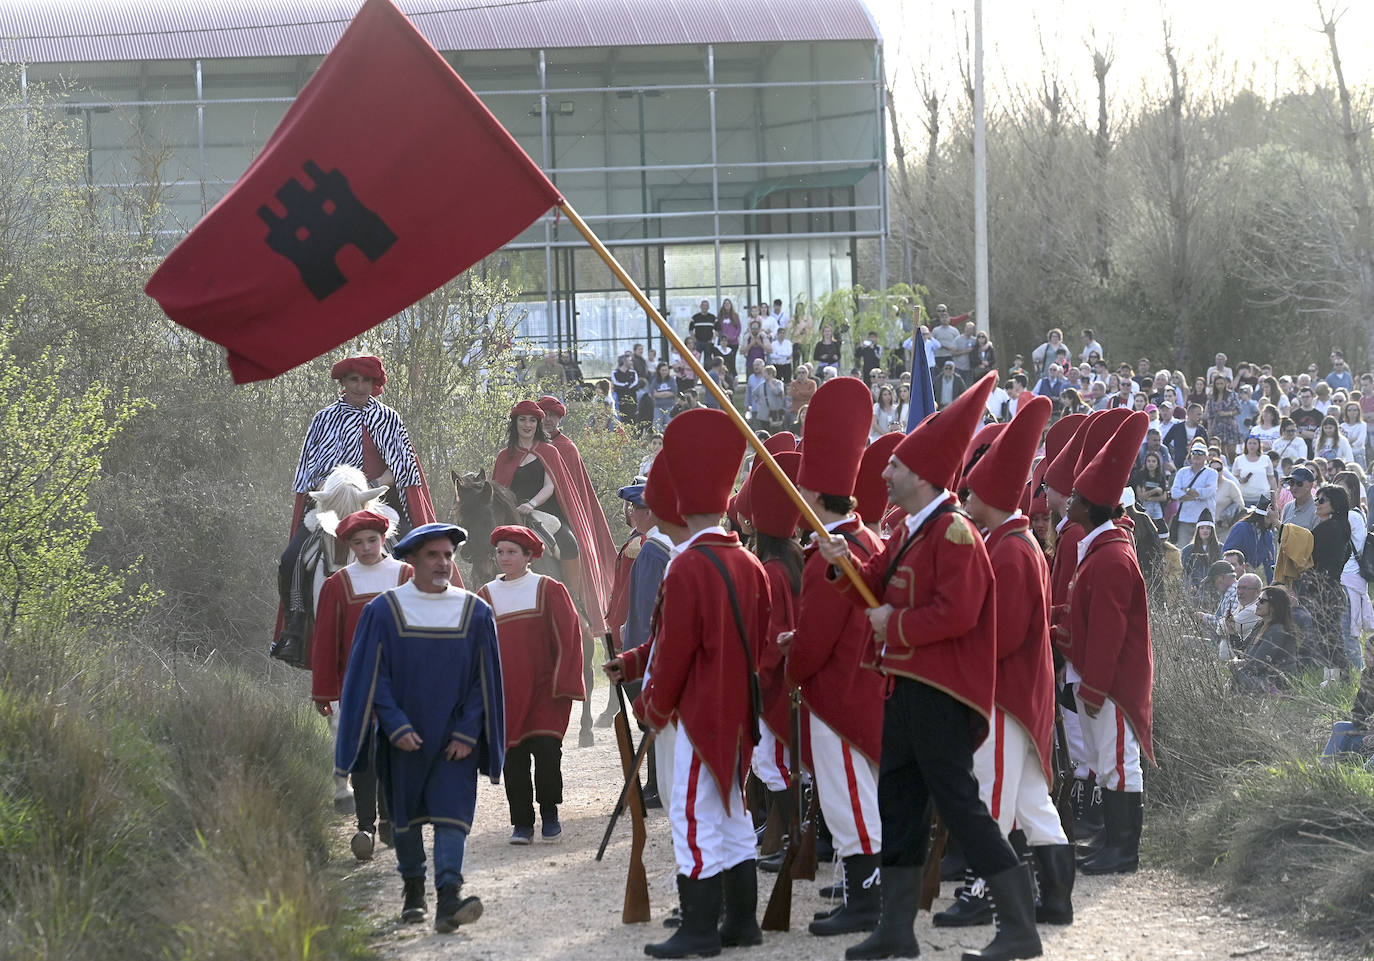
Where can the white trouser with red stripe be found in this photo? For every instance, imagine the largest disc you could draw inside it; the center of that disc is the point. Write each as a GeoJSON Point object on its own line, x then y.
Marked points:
{"type": "Point", "coordinates": [1078, 752]}
{"type": "Point", "coordinates": [770, 760]}
{"type": "Point", "coordinates": [848, 786]}
{"type": "Point", "coordinates": [1113, 749]}
{"type": "Point", "coordinates": [664, 743]}
{"type": "Point", "coordinates": [706, 839]}
{"type": "Point", "coordinates": [1011, 782]}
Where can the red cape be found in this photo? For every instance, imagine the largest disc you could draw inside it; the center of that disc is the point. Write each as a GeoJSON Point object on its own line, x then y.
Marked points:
{"type": "Point", "coordinates": [618, 605]}
{"type": "Point", "coordinates": [596, 571]}
{"type": "Point", "coordinates": [541, 662]}
{"type": "Point", "coordinates": [603, 546]}
{"type": "Point", "coordinates": [1025, 666]}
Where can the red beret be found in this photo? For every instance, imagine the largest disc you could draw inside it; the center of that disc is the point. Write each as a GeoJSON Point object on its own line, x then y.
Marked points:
{"type": "Point", "coordinates": [552, 405]}
{"type": "Point", "coordinates": [837, 424]}
{"type": "Point", "coordinates": [999, 477]}
{"type": "Point", "coordinates": [934, 450]}
{"type": "Point", "coordinates": [361, 521]}
{"type": "Point", "coordinates": [364, 364]}
{"type": "Point", "coordinates": [527, 407]}
{"type": "Point", "coordinates": [522, 536]}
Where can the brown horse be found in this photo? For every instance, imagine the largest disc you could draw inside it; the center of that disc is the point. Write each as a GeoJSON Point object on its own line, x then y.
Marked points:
{"type": "Point", "coordinates": [483, 506]}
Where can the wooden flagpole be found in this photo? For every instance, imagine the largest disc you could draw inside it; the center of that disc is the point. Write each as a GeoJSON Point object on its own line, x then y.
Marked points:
{"type": "Point", "coordinates": [726, 404]}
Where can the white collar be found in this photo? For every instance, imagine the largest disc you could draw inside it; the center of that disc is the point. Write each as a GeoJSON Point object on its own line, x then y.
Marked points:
{"type": "Point", "coordinates": [833, 526]}
{"type": "Point", "coordinates": [654, 534]}
{"type": "Point", "coordinates": [914, 522]}
{"type": "Point", "coordinates": [1092, 536]}
{"type": "Point", "coordinates": [686, 545]}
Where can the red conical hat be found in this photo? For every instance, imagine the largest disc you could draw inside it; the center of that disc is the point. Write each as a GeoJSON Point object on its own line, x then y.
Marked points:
{"type": "Point", "coordinates": [871, 489]}
{"type": "Point", "coordinates": [704, 451]}
{"type": "Point", "coordinates": [934, 450]}
{"type": "Point", "coordinates": [838, 419]}
{"type": "Point", "coordinates": [1104, 477]}
{"type": "Point", "coordinates": [773, 511]}
{"type": "Point", "coordinates": [1060, 472]}
{"type": "Point", "coordinates": [978, 446]}
{"type": "Point", "coordinates": [999, 478]}
{"type": "Point", "coordinates": [1101, 427]}
{"type": "Point", "coordinates": [1034, 501]}
{"type": "Point", "coordinates": [1060, 432]}
{"type": "Point", "coordinates": [659, 494]}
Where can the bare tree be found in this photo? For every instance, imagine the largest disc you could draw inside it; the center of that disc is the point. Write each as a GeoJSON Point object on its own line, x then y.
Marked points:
{"type": "Point", "coordinates": [1103, 58]}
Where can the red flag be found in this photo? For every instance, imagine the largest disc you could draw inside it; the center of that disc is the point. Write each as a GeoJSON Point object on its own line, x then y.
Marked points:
{"type": "Point", "coordinates": [385, 179]}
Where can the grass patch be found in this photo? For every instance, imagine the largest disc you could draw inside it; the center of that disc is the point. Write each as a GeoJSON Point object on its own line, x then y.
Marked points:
{"type": "Point", "coordinates": [162, 810]}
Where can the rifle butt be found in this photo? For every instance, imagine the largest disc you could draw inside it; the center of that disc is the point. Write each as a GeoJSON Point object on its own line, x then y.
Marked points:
{"type": "Point", "coordinates": [777, 916]}
{"type": "Point", "coordinates": [804, 869]}
{"type": "Point", "coordinates": [636, 909]}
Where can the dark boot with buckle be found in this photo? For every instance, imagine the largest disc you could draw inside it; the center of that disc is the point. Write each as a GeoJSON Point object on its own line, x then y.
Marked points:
{"type": "Point", "coordinates": [971, 907]}
{"type": "Point", "coordinates": [894, 937]}
{"type": "Point", "coordinates": [1056, 869]}
{"type": "Point", "coordinates": [452, 910]}
{"type": "Point", "coordinates": [1087, 813]}
{"type": "Point", "coordinates": [1014, 905]}
{"type": "Point", "coordinates": [739, 927]}
{"type": "Point", "coordinates": [1124, 812]}
{"type": "Point", "coordinates": [413, 907]}
{"type": "Point", "coordinates": [696, 935]}
{"type": "Point", "coordinates": [862, 899]}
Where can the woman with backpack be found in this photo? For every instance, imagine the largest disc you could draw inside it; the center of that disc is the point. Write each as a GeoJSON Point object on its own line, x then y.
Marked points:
{"type": "Point", "coordinates": [1354, 576]}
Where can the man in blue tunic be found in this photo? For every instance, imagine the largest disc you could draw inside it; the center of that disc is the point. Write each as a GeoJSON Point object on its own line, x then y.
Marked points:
{"type": "Point", "coordinates": [425, 662]}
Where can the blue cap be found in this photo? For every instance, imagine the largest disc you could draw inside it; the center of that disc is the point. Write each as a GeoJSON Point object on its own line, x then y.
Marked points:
{"type": "Point", "coordinates": [428, 532]}
{"type": "Point", "coordinates": [634, 493]}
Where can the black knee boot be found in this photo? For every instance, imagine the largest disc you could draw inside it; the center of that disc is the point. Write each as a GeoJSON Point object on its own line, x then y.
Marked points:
{"type": "Point", "coordinates": [1056, 867]}
{"type": "Point", "coordinates": [1013, 903]}
{"type": "Point", "coordinates": [1123, 812]}
{"type": "Point", "coordinates": [739, 927]}
{"type": "Point", "coordinates": [696, 935]}
{"type": "Point", "coordinates": [862, 899]}
{"type": "Point", "coordinates": [894, 937]}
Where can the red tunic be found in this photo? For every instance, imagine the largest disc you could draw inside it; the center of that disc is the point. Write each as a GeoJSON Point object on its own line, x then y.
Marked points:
{"type": "Point", "coordinates": [541, 660]}
{"type": "Point", "coordinates": [943, 629]}
{"type": "Point", "coordinates": [1025, 666]}
{"type": "Point", "coordinates": [697, 670]}
{"type": "Point", "coordinates": [618, 604]}
{"type": "Point", "coordinates": [832, 640]}
{"type": "Point", "coordinates": [596, 570]}
{"type": "Point", "coordinates": [336, 618]}
{"type": "Point", "coordinates": [777, 708]}
{"type": "Point", "coordinates": [1108, 632]}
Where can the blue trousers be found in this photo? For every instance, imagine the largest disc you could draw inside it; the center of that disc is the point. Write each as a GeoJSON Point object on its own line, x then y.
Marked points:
{"type": "Point", "coordinates": [449, 843]}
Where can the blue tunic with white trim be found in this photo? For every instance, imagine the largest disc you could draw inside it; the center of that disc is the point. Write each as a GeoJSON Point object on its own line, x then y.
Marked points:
{"type": "Point", "coordinates": [429, 664]}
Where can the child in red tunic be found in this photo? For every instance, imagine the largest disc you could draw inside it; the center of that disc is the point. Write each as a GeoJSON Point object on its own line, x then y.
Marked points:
{"type": "Point", "coordinates": [541, 669]}
{"type": "Point", "coordinates": [342, 599]}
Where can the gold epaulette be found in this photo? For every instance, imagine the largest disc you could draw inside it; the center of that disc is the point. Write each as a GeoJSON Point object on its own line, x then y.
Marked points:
{"type": "Point", "coordinates": [632, 549]}
{"type": "Point", "coordinates": [958, 531]}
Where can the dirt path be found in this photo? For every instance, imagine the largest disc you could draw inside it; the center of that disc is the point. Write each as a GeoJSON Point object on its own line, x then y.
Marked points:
{"type": "Point", "coordinates": [553, 901]}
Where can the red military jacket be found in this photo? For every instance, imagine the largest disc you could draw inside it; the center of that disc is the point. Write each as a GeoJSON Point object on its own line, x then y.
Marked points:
{"type": "Point", "coordinates": [1025, 666]}
{"type": "Point", "coordinates": [943, 631]}
{"type": "Point", "coordinates": [831, 642]}
{"type": "Point", "coordinates": [1108, 632]}
{"type": "Point", "coordinates": [697, 670]}
{"type": "Point", "coordinates": [618, 606]}
{"type": "Point", "coordinates": [777, 708]}
{"type": "Point", "coordinates": [1065, 562]}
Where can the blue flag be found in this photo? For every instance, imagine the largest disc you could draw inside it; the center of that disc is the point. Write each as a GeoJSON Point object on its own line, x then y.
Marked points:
{"type": "Point", "coordinates": [922, 390]}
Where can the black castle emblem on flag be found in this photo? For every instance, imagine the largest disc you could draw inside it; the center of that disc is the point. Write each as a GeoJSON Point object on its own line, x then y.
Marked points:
{"type": "Point", "coordinates": [320, 222]}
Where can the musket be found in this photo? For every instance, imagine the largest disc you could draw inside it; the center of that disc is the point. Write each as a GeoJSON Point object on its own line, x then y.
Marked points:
{"type": "Point", "coordinates": [1063, 788]}
{"type": "Point", "coordinates": [930, 880]}
{"type": "Point", "coordinates": [777, 916]}
{"type": "Point", "coordinates": [636, 907]}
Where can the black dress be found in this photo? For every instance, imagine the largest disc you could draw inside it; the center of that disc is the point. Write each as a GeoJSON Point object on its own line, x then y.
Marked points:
{"type": "Point", "coordinates": [527, 483]}
{"type": "Point", "coordinates": [1321, 589]}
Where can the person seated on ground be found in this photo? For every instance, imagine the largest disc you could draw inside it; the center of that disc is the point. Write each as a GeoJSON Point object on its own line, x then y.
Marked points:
{"type": "Point", "coordinates": [1235, 608]}
{"type": "Point", "coordinates": [1202, 553]}
{"type": "Point", "coordinates": [1265, 656]}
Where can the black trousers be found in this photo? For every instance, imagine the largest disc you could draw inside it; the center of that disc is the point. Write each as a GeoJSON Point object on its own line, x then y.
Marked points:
{"type": "Point", "coordinates": [547, 753]}
{"type": "Point", "coordinates": [928, 756]}
{"type": "Point", "coordinates": [368, 803]}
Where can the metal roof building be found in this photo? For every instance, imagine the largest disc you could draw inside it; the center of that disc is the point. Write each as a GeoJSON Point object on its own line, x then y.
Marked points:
{"type": "Point", "coordinates": [725, 148]}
